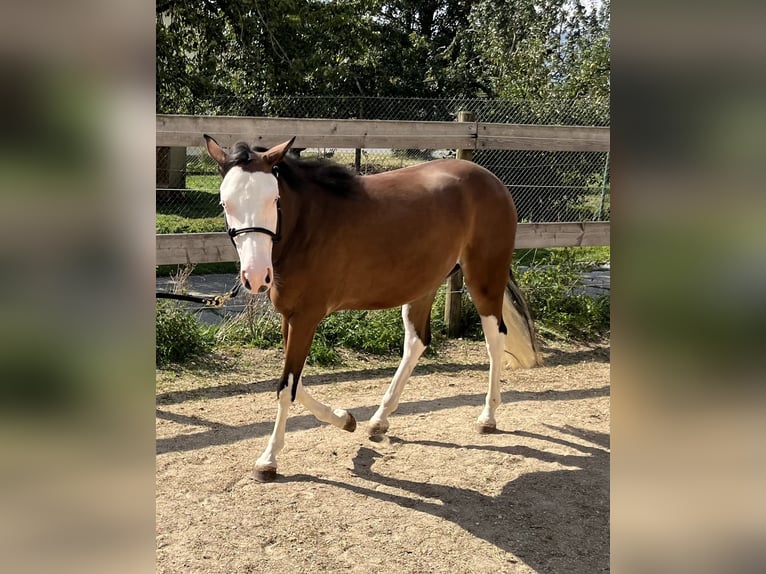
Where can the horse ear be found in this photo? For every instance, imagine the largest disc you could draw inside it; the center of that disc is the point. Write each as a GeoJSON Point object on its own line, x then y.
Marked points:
{"type": "Point", "coordinates": [215, 150]}
{"type": "Point", "coordinates": [275, 154]}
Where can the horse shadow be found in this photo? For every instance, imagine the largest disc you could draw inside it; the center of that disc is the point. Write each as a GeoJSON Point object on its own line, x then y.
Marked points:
{"type": "Point", "coordinates": [217, 433]}
{"type": "Point", "coordinates": [555, 521]}
{"type": "Point", "coordinates": [215, 365]}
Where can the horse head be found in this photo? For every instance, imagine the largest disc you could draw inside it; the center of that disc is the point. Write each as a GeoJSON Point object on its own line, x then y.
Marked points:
{"type": "Point", "coordinates": [250, 200]}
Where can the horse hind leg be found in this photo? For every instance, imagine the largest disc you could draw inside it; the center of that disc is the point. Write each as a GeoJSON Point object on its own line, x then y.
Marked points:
{"type": "Point", "coordinates": [487, 292]}
{"type": "Point", "coordinates": [416, 317]}
{"type": "Point", "coordinates": [494, 335]}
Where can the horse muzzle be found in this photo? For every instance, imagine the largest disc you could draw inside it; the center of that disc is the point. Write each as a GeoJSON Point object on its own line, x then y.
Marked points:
{"type": "Point", "coordinates": [258, 282]}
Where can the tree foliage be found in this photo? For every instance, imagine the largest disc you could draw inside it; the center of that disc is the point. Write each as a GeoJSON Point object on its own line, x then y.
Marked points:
{"type": "Point", "coordinates": [211, 51]}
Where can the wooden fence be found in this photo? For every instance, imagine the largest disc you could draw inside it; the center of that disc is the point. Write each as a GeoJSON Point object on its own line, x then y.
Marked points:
{"type": "Point", "coordinates": [186, 131]}
{"type": "Point", "coordinates": [184, 248]}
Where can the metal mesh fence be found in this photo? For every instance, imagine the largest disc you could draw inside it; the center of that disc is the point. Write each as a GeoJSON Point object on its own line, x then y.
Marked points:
{"type": "Point", "coordinates": [547, 186]}
{"type": "Point", "coordinates": [584, 111]}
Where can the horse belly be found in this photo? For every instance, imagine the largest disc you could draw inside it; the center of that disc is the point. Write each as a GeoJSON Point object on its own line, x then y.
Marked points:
{"type": "Point", "coordinates": [390, 278]}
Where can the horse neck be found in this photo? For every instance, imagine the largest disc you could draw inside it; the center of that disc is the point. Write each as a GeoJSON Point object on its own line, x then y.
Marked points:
{"type": "Point", "coordinates": [302, 211]}
{"type": "Point", "coordinates": [291, 205]}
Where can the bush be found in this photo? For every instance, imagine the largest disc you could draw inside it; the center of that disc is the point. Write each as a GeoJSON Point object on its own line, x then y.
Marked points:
{"type": "Point", "coordinates": [557, 306]}
{"type": "Point", "coordinates": [322, 352]}
{"type": "Point", "coordinates": [179, 335]}
{"type": "Point", "coordinates": [377, 332]}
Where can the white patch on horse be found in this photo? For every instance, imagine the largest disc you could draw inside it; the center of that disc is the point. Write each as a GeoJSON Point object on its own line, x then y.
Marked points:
{"type": "Point", "coordinates": [495, 340]}
{"type": "Point", "coordinates": [250, 200]}
{"type": "Point", "coordinates": [268, 460]}
{"type": "Point", "coordinates": [321, 411]}
{"type": "Point", "coordinates": [413, 349]}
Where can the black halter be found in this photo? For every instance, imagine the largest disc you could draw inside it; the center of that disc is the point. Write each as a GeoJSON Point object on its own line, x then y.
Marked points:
{"type": "Point", "coordinates": [275, 235]}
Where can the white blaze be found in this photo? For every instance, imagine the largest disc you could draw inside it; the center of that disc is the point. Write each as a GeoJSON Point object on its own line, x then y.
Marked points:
{"type": "Point", "coordinates": [249, 200]}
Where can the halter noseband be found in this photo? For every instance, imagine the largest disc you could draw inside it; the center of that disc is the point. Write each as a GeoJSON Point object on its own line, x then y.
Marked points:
{"type": "Point", "coordinates": [275, 235]}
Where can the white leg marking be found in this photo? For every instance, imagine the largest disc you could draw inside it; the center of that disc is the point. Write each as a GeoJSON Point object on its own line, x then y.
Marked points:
{"type": "Point", "coordinates": [413, 348]}
{"type": "Point", "coordinates": [495, 344]}
{"type": "Point", "coordinates": [323, 412]}
{"type": "Point", "coordinates": [277, 441]}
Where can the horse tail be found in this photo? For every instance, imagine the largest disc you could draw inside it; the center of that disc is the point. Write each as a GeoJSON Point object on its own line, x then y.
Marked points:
{"type": "Point", "coordinates": [521, 346]}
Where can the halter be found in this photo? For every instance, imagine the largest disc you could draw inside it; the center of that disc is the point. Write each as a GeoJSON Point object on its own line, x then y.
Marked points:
{"type": "Point", "coordinates": [275, 235]}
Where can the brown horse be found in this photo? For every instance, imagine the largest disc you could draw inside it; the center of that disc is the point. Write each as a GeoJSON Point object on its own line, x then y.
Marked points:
{"type": "Point", "coordinates": [320, 238]}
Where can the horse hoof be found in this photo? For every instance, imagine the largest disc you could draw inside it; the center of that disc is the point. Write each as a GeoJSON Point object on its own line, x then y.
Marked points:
{"type": "Point", "coordinates": [350, 425]}
{"type": "Point", "coordinates": [265, 473]}
{"type": "Point", "coordinates": [376, 429]}
{"type": "Point", "coordinates": [486, 428]}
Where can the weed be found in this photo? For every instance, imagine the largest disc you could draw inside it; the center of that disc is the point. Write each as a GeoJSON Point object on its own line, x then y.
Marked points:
{"type": "Point", "coordinates": [179, 335]}
{"type": "Point", "coordinates": [551, 280]}
{"type": "Point", "coordinates": [323, 353]}
{"type": "Point", "coordinates": [377, 332]}
{"type": "Point", "coordinates": [257, 326]}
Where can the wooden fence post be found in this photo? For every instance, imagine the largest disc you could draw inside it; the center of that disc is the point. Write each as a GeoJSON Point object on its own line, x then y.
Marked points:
{"type": "Point", "coordinates": [452, 300]}
{"type": "Point", "coordinates": [171, 167]}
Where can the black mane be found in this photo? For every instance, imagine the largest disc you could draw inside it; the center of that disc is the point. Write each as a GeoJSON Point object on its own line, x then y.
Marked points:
{"type": "Point", "coordinates": [300, 173]}
{"type": "Point", "coordinates": [324, 174]}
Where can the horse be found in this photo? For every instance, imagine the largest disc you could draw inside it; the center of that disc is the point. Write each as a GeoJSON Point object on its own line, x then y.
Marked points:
{"type": "Point", "coordinates": [319, 238]}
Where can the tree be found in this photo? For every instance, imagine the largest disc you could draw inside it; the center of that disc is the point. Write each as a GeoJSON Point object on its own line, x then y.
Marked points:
{"type": "Point", "coordinates": [221, 54]}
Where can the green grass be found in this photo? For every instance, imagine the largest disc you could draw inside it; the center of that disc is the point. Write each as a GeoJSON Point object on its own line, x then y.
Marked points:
{"type": "Point", "coordinates": [586, 256]}
{"type": "Point", "coordinates": [199, 269]}
{"type": "Point", "coordinates": [167, 223]}
{"type": "Point", "coordinates": [204, 182]}
{"type": "Point", "coordinates": [194, 210]}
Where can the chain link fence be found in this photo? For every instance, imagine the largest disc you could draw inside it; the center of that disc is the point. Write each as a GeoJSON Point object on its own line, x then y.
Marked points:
{"type": "Point", "coordinates": [547, 186]}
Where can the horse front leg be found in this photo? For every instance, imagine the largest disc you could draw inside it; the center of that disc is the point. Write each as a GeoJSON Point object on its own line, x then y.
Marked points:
{"type": "Point", "coordinates": [298, 333]}
{"type": "Point", "coordinates": [266, 465]}
{"type": "Point", "coordinates": [340, 418]}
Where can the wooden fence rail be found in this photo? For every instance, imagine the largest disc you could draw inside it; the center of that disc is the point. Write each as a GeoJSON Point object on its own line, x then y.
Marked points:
{"type": "Point", "coordinates": [186, 131]}
{"type": "Point", "coordinates": [182, 248]}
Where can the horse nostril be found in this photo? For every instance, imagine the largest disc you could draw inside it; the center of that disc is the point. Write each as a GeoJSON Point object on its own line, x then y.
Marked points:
{"type": "Point", "coordinates": [243, 279]}
{"type": "Point", "coordinates": [268, 278]}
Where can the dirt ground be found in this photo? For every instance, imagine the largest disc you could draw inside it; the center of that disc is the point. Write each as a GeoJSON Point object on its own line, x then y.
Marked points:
{"type": "Point", "coordinates": [434, 496]}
